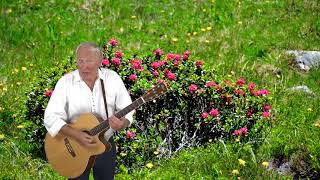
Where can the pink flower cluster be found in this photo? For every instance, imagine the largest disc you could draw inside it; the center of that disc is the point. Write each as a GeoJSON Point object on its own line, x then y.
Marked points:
{"type": "Point", "coordinates": [213, 112]}
{"type": "Point", "coordinates": [158, 52]}
{"type": "Point", "coordinates": [130, 134]}
{"type": "Point", "coordinates": [240, 132]}
{"type": "Point", "coordinates": [113, 42]}
{"type": "Point", "coordinates": [48, 93]}
{"type": "Point", "coordinates": [186, 55]}
{"type": "Point", "coordinates": [171, 76]}
{"type": "Point", "coordinates": [240, 82]}
{"type": "Point", "coordinates": [199, 63]}
{"type": "Point", "coordinates": [136, 64]}
{"type": "Point", "coordinates": [193, 88]}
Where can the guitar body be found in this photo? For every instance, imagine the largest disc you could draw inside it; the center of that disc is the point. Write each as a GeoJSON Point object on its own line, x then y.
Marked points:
{"type": "Point", "coordinates": [67, 156]}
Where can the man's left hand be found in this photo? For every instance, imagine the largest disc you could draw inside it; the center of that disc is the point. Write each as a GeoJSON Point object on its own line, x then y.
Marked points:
{"type": "Point", "coordinates": [118, 124]}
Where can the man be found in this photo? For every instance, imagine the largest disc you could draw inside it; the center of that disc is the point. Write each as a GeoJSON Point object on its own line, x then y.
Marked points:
{"type": "Point", "coordinates": [79, 92]}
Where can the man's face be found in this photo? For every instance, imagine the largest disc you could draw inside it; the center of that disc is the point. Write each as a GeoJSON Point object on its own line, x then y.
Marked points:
{"type": "Point", "coordinates": [87, 63]}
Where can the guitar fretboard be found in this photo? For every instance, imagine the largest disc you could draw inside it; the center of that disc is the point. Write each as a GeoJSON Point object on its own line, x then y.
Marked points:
{"type": "Point", "coordinates": [104, 125]}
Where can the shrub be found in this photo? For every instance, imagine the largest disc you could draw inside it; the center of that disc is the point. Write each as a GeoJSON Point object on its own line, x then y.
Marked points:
{"type": "Point", "coordinates": [200, 106]}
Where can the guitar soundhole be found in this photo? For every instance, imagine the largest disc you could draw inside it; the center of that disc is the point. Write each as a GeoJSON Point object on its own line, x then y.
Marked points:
{"type": "Point", "coordinates": [69, 147]}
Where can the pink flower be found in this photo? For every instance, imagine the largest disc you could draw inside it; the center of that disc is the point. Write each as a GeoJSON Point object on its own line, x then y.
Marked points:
{"type": "Point", "coordinates": [204, 115]}
{"type": "Point", "coordinates": [105, 62]}
{"type": "Point", "coordinates": [210, 84]}
{"type": "Point", "coordinates": [170, 56]}
{"type": "Point", "coordinates": [113, 42]}
{"type": "Point", "coordinates": [267, 107]}
{"type": "Point", "coordinates": [266, 114]}
{"type": "Point", "coordinates": [186, 55]}
{"type": "Point", "coordinates": [133, 77]}
{"type": "Point", "coordinates": [116, 61]}
{"type": "Point", "coordinates": [239, 92]}
{"type": "Point", "coordinates": [264, 92]}
{"type": "Point", "coordinates": [218, 87]}
{"type": "Point", "coordinates": [251, 86]}
{"type": "Point", "coordinates": [130, 134]}
{"type": "Point", "coordinates": [118, 54]}
{"type": "Point", "coordinates": [176, 63]}
{"type": "Point", "coordinates": [214, 112]}
{"type": "Point", "coordinates": [199, 63]}
{"type": "Point", "coordinates": [177, 57]}
{"type": "Point", "coordinates": [244, 130]}
{"type": "Point", "coordinates": [155, 73]}
{"type": "Point", "coordinates": [241, 131]}
{"type": "Point", "coordinates": [193, 88]}
{"type": "Point", "coordinates": [158, 52]}
{"type": "Point", "coordinates": [237, 133]}
{"type": "Point", "coordinates": [171, 76]}
{"type": "Point", "coordinates": [240, 82]}
{"type": "Point", "coordinates": [136, 64]}
{"type": "Point", "coordinates": [156, 64]}
{"type": "Point", "coordinates": [48, 93]}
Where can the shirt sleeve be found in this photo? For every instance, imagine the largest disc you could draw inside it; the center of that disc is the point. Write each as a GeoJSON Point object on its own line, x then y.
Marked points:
{"type": "Point", "coordinates": [55, 115]}
{"type": "Point", "coordinates": [123, 99]}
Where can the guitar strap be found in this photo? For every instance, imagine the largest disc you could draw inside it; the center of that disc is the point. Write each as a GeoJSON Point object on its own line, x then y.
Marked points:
{"type": "Point", "coordinates": [104, 97]}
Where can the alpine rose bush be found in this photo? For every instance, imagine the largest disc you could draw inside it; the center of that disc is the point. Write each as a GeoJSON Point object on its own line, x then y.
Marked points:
{"type": "Point", "coordinates": [197, 108]}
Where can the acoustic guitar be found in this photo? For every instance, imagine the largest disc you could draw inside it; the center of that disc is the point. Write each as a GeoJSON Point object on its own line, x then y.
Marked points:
{"type": "Point", "coordinates": [69, 158]}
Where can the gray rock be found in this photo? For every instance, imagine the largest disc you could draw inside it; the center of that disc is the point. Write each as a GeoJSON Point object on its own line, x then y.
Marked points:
{"type": "Point", "coordinates": [305, 60]}
{"type": "Point", "coordinates": [302, 88]}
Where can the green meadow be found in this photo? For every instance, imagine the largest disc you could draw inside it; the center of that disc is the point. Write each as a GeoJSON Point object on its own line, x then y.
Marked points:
{"type": "Point", "coordinates": [240, 38]}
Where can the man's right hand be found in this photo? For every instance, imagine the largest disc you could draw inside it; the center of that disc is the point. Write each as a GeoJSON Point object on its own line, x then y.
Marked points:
{"type": "Point", "coordinates": [82, 138]}
{"type": "Point", "coordinates": [86, 140]}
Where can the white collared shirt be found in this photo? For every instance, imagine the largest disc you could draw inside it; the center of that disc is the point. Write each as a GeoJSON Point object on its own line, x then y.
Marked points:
{"type": "Point", "coordinates": [72, 97]}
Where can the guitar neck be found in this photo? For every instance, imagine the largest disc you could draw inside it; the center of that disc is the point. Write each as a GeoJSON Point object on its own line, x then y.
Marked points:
{"type": "Point", "coordinates": [105, 124]}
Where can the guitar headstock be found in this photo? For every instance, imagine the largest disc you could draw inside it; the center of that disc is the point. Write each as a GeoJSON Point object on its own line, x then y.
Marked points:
{"type": "Point", "coordinates": [155, 92]}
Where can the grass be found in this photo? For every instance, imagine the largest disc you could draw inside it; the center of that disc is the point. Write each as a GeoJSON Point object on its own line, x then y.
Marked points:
{"type": "Point", "coordinates": [235, 38]}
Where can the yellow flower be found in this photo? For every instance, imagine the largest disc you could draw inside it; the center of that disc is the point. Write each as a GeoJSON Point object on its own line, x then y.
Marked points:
{"type": "Point", "coordinates": [194, 33]}
{"type": "Point", "coordinates": [8, 11]}
{"type": "Point", "coordinates": [207, 41]}
{"type": "Point", "coordinates": [18, 83]}
{"type": "Point", "coordinates": [317, 123]}
{"type": "Point", "coordinates": [209, 28]}
{"type": "Point", "coordinates": [156, 152]}
{"type": "Point", "coordinates": [14, 115]}
{"type": "Point", "coordinates": [31, 65]}
{"type": "Point", "coordinates": [242, 162]}
{"type": "Point", "coordinates": [16, 70]}
{"type": "Point", "coordinates": [235, 172]}
{"type": "Point", "coordinates": [1, 136]}
{"type": "Point", "coordinates": [149, 165]}
{"type": "Point", "coordinates": [238, 139]}
{"type": "Point", "coordinates": [20, 126]}
{"type": "Point", "coordinates": [4, 89]}
{"type": "Point", "coordinates": [133, 17]}
{"type": "Point", "coordinates": [265, 164]}
{"type": "Point", "coordinates": [174, 39]}
{"type": "Point", "coordinates": [23, 68]}
{"type": "Point", "coordinates": [240, 22]}
{"type": "Point", "coordinates": [189, 34]}
{"type": "Point", "coordinates": [203, 29]}
{"type": "Point", "coordinates": [309, 109]}
{"type": "Point", "coordinates": [123, 154]}
{"type": "Point", "coordinates": [1, 108]}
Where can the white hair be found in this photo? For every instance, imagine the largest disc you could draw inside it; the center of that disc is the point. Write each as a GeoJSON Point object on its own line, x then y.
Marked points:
{"type": "Point", "coordinates": [94, 47]}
